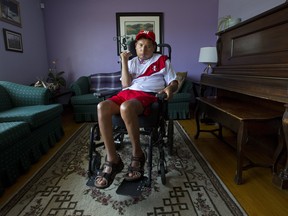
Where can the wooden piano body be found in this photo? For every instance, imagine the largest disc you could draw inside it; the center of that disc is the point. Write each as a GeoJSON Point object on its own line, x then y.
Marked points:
{"type": "Point", "coordinates": [251, 82]}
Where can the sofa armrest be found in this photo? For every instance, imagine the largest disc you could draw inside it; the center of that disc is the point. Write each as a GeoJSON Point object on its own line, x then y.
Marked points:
{"type": "Point", "coordinates": [81, 86]}
{"type": "Point", "coordinates": [22, 95]}
{"type": "Point", "coordinates": [187, 87]}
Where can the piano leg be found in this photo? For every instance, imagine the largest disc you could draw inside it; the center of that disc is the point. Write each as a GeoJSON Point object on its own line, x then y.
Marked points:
{"type": "Point", "coordinates": [281, 179]}
{"type": "Point", "coordinates": [241, 141]}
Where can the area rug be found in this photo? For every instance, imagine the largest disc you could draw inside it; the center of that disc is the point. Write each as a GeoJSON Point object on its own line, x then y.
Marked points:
{"type": "Point", "coordinates": [59, 188]}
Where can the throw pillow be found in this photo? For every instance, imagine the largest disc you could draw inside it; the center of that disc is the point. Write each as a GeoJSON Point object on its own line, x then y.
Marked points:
{"type": "Point", "coordinates": [181, 76]}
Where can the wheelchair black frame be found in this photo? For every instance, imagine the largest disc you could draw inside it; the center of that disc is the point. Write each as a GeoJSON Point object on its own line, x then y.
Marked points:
{"type": "Point", "coordinates": [163, 130]}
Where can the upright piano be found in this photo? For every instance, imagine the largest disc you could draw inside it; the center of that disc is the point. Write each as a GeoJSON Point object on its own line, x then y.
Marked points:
{"type": "Point", "coordinates": [253, 65]}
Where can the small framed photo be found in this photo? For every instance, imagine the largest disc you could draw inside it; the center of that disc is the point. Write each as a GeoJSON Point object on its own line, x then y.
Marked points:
{"type": "Point", "coordinates": [10, 12]}
{"type": "Point", "coordinates": [129, 24]}
{"type": "Point", "coordinates": [13, 41]}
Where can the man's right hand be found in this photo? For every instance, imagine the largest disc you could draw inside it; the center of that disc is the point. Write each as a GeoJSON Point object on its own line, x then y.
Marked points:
{"type": "Point", "coordinates": [125, 55]}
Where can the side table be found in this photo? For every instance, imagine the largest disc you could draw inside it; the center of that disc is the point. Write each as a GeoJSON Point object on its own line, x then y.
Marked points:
{"type": "Point", "coordinates": [62, 96]}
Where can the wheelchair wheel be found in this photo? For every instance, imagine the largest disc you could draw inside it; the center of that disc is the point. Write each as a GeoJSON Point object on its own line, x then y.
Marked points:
{"type": "Point", "coordinates": [118, 140]}
{"type": "Point", "coordinates": [163, 172]}
{"type": "Point", "coordinates": [95, 163]}
{"type": "Point", "coordinates": [170, 136]}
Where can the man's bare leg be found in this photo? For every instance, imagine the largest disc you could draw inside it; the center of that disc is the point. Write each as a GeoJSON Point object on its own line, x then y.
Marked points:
{"type": "Point", "coordinates": [129, 111]}
{"type": "Point", "coordinates": [105, 110]}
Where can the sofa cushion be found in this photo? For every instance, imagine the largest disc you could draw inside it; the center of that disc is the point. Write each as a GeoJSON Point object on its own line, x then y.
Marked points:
{"type": "Point", "coordinates": [12, 132]}
{"type": "Point", "coordinates": [5, 99]}
{"type": "Point", "coordinates": [181, 97]}
{"type": "Point", "coordinates": [105, 81]}
{"type": "Point", "coordinates": [86, 99]}
{"type": "Point", "coordinates": [34, 115]}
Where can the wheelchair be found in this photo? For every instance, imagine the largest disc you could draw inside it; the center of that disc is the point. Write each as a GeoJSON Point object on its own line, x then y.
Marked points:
{"type": "Point", "coordinates": [157, 126]}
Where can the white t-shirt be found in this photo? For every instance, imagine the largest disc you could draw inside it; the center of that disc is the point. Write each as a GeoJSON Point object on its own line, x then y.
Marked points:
{"type": "Point", "coordinates": [152, 75]}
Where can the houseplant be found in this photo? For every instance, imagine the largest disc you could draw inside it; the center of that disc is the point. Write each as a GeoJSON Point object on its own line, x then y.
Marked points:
{"type": "Point", "coordinates": [54, 81]}
{"type": "Point", "coordinates": [227, 21]}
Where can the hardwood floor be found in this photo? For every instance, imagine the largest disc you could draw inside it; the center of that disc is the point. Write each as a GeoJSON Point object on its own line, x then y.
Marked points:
{"type": "Point", "coordinates": [258, 196]}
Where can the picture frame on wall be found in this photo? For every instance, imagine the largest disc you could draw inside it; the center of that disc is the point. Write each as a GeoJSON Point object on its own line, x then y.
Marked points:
{"type": "Point", "coordinates": [13, 41]}
{"type": "Point", "coordinates": [129, 24]}
{"type": "Point", "coordinates": [10, 12]}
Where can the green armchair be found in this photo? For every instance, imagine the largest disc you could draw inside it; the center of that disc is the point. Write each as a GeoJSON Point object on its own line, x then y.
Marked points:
{"type": "Point", "coordinates": [179, 105]}
{"type": "Point", "coordinates": [86, 94]}
{"type": "Point", "coordinates": [86, 97]}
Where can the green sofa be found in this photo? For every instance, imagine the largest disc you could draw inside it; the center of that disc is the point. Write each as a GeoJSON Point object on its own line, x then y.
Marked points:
{"type": "Point", "coordinates": [85, 99]}
{"type": "Point", "coordinates": [29, 126]}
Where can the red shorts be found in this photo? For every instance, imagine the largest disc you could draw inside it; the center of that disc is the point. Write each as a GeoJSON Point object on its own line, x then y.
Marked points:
{"type": "Point", "coordinates": [145, 98]}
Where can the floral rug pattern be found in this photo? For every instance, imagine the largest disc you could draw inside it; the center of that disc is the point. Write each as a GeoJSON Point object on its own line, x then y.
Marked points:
{"type": "Point", "coordinates": [59, 188]}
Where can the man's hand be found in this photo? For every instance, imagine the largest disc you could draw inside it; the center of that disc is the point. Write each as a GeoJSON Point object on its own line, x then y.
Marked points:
{"type": "Point", "coordinates": [125, 55]}
{"type": "Point", "coordinates": [172, 87]}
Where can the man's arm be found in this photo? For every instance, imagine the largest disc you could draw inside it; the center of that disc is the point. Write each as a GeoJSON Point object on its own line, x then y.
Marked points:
{"type": "Point", "coordinates": [170, 89]}
{"type": "Point", "coordinates": [126, 78]}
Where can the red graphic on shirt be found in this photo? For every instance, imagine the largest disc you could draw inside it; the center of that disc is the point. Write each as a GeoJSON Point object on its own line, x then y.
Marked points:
{"type": "Point", "coordinates": [156, 66]}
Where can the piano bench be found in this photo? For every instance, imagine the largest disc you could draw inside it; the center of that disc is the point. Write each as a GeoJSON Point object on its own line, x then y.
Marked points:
{"type": "Point", "coordinates": [242, 118]}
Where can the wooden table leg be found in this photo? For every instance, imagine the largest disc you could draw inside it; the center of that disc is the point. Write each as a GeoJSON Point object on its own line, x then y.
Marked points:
{"type": "Point", "coordinates": [197, 120]}
{"type": "Point", "coordinates": [281, 179]}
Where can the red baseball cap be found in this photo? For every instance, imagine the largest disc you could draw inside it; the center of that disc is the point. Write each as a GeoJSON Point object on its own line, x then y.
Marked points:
{"type": "Point", "coordinates": [146, 34]}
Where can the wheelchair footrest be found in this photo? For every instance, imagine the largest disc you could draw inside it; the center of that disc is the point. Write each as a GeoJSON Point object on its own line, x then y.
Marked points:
{"type": "Point", "coordinates": [132, 188]}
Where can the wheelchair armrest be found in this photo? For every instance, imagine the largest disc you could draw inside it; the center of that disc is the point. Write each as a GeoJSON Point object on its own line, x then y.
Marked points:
{"type": "Point", "coordinates": [105, 93]}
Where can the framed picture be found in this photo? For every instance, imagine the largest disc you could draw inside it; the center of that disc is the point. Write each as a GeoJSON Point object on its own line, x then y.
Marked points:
{"type": "Point", "coordinates": [13, 41]}
{"type": "Point", "coordinates": [10, 12]}
{"type": "Point", "coordinates": [129, 24]}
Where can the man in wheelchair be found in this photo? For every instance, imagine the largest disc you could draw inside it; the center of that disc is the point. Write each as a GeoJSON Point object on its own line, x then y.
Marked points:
{"type": "Point", "coordinates": [142, 78]}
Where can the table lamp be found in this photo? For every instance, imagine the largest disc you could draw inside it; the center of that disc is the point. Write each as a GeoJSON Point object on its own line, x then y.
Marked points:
{"type": "Point", "coordinates": [208, 55]}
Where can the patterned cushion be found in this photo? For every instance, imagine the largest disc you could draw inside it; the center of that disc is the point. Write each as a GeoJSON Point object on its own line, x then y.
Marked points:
{"type": "Point", "coordinates": [105, 81]}
{"type": "Point", "coordinates": [11, 132]}
{"type": "Point", "coordinates": [5, 99]}
{"type": "Point", "coordinates": [34, 115]}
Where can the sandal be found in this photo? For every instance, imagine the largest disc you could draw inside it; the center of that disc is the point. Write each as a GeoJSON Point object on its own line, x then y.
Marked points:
{"type": "Point", "coordinates": [137, 171]}
{"type": "Point", "coordinates": [109, 177]}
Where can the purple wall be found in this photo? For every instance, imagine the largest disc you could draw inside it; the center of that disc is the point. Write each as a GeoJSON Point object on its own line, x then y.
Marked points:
{"type": "Point", "coordinates": [32, 64]}
{"type": "Point", "coordinates": [80, 33]}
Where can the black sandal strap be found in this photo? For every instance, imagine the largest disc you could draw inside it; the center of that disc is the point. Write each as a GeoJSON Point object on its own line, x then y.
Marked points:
{"type": "Point", "coordinates": [109, 177]}
{"type": "Point", "coordinates": [137, 171]}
